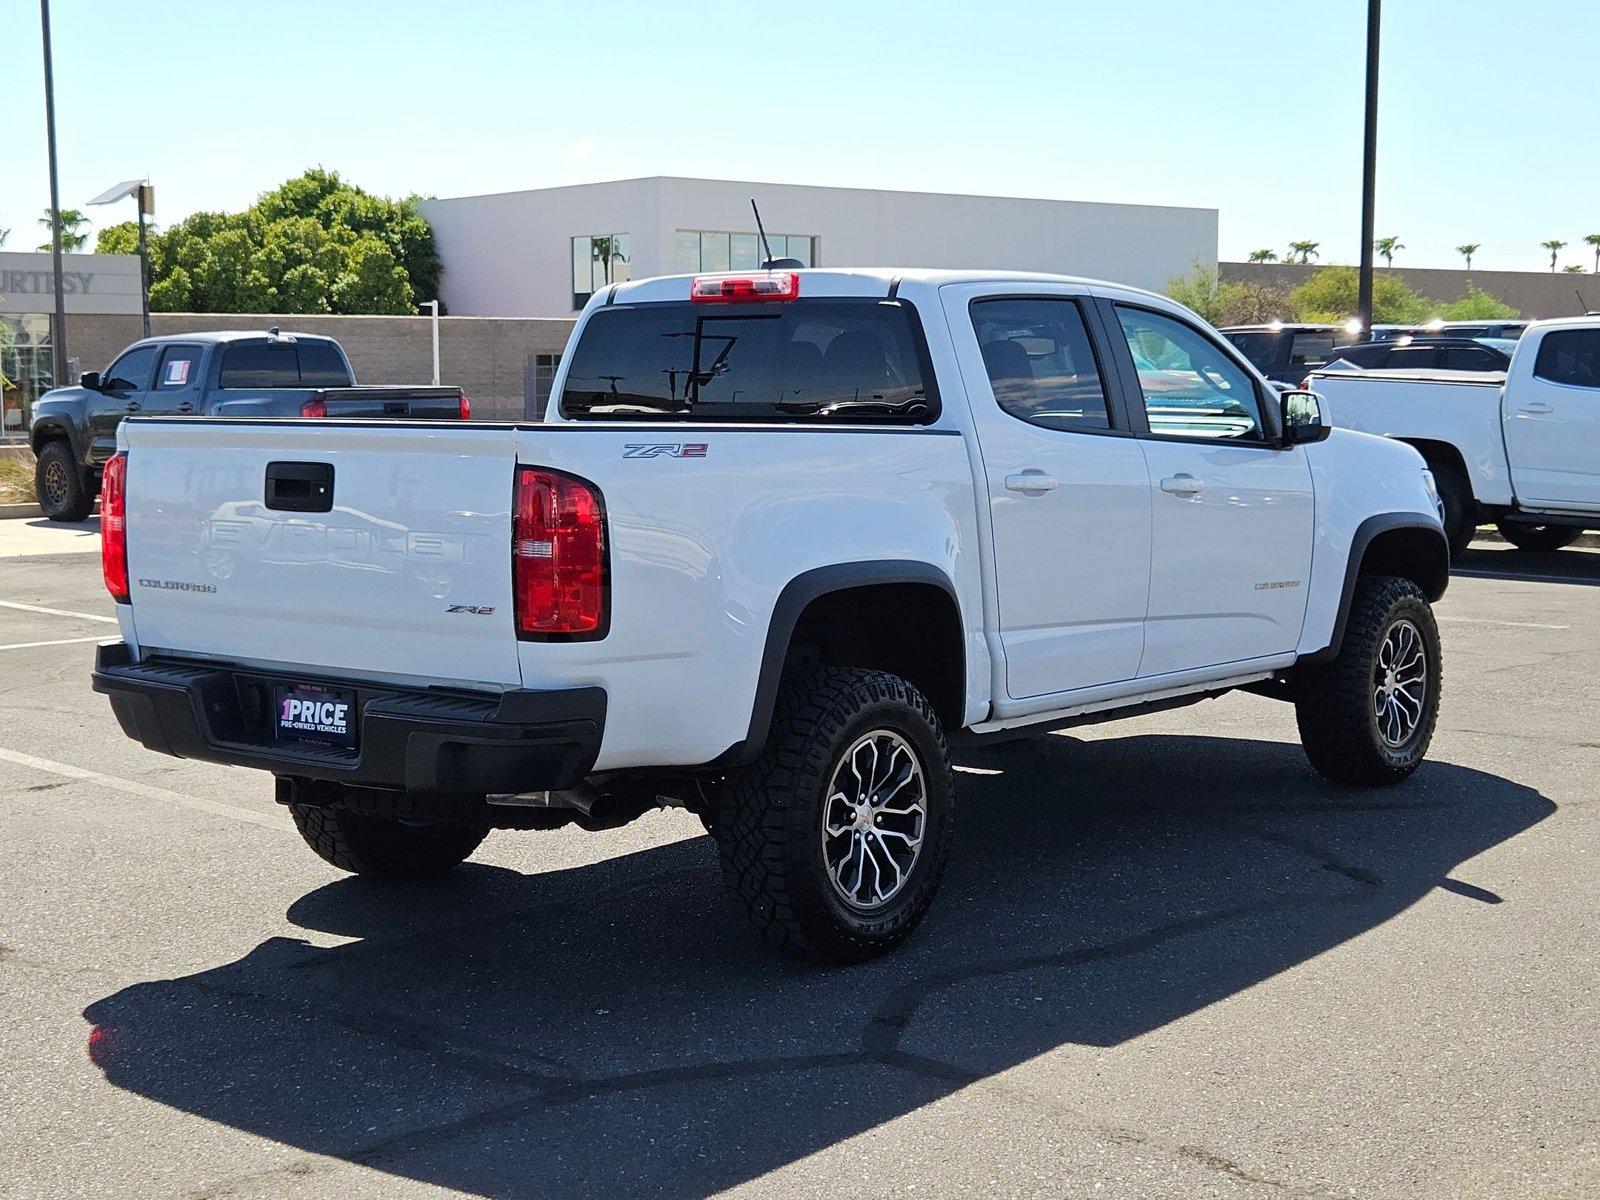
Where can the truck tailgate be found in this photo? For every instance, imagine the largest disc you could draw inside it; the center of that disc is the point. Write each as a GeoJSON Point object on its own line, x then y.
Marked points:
{"type": "Point", "coordinates": [406, 574]}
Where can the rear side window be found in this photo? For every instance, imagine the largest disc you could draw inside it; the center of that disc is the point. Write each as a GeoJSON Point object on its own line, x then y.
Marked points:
{"type": "Point", "coordinates": [1570, 356]}
{"type": "Point", "coordinates": [1411, 358]}
{"type": "Point", "coordinates": [1470, 358]}
{"type": "Point", "coordinates": [283, 365]}
{"type": "Point", "coordinates": [180, 369]}
{"type": "Point", "coordinates": [1041, 364]}
{"type": "Point", "coordinates": [832, 359]}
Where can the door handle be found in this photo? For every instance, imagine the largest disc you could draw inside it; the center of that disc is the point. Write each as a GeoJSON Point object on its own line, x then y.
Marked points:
{"type": "Point", "coordinates": [133, 406]}
{"type": "Point", "coordinates": [186, 407]}
{"type": "Point", "coordinates": [1182, 485]}
{"type": "Point", "coordinates": [1537, 408]}
{"type": "Point", "coordinates": [1031, 482]}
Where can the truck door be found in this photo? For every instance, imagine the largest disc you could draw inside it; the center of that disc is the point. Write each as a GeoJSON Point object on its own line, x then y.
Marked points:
{"type": "Point", "coordinates": [175, 390]}
{"type": "Point", "coordinates": [1067, 489]}
{"type": "Point", "coordinates": [123, 386]}
{"type": "Point", "coordinates": [1232, 518]}
{"type": "Point", "coordinates": [1552, 420]}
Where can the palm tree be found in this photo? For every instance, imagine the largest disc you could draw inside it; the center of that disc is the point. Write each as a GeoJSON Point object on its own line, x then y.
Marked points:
{"type": "Point", "coordinates": [4, 234]}
{"type": "Point", "coordinates": [1386, 247]}
{"type": "Point", "coordinates": [73, 234]}
{"type": "Point", "coordinates": [1467, 250]}
{"type": "Point", "coordinates": [1266, 256]}
{"type": "Point", "coordinates": [1592, 239]}
{"type": "Point", "coordinates": [1306, 250]}
{"type": "Point", "coordinates": [1555, 246]}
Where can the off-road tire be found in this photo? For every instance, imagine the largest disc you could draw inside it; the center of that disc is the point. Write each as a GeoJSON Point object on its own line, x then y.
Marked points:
{"type": "Point", "coordinates": [1538, 537]}
{"type": "Point", "coordinates": [1460, 508]}
{"type": "Point", "coordinates": [382, 847]}
{"type": "Point", "coordinates": [58, 481]}
{"type": "Point", "coordinates": [1334, 703]}
{"type": "Point", "coordinates": [768, 817]}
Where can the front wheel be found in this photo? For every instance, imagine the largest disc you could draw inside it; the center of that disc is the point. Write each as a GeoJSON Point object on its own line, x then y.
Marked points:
{"type": "Point", "coordinates": [385, 847]}
{"type": "Point", "coordinates": [63, 493]}
{"type": "Point", "coordinates": [1366, 718]}
{"type": "Point", "coordinates": [835, 839]}
{"type": "Point", "coordinates": [1538, 537]}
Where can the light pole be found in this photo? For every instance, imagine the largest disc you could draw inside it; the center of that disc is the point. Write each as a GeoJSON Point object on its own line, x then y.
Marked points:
{"type": "Point", "coordinates": [58, 336]}
{"type": "Point", "coordinates": [147, 208]}
{"type": "Point", "coordinates": [433, 307]}
{"type": "Point", "coordinates": [1369, 169]}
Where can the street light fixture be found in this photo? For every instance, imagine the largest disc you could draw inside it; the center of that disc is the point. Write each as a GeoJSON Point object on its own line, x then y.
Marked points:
{"type": "Point", "coordinates": [147, 208]}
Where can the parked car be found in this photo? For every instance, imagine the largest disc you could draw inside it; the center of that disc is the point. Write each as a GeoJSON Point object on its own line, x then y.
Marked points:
{"type": "Point", "coordinates": [230, 374]}
{"type": "Point", "coordinates": [781, 537]}
{"type": "Point", "coordinates": [1425, 354]}
{"type": "Point", "coordinates": [1287, 353]}
{"type": "Point", "coordinates": [1510, 330]}
{"type": "Point", "coordinates": [1524, 453]}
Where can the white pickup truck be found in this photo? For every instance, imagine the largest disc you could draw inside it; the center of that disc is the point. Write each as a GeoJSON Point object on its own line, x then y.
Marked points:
{"type": "Point", "coordinates": [780, 538]}
{"type": "Point", "coordinates": [1522, 450]}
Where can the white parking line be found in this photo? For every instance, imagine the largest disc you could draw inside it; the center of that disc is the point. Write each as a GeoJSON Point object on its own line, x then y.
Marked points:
{"type": "Point", "coordinates": [56, 612]}
{"type": "Point", "coordinates": [56, 642]}
{"type": "Point", "coordinates": [1518, 577]}
{"type": "Point", "coordinates": [275, 821]}
{"type": "Point", "coordinates": [1486, 621]}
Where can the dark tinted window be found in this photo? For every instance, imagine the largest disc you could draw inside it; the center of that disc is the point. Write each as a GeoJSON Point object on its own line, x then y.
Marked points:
{"type": "Point", "coordinates": [321, 365]}
{"type": "Point", "coordinates": [752, 362]}
{"type": "Point", "coordinates": [131, 372]}
{"type": "Point", "coordinates": [283, 365]}
{"type": "Point", "coordinates": [1040, 362]}
{"type": "Point", "coordinates": [1472, 358]}
{"type": "Point", "coordinates": [1259, 348]}
{"type": "Point", "coordinates": [1570, 356]}
{"type": "Point", "coordinates": [1311, 348]}
{"type": "Point", "coordinates": [180, 369]}
{"type": "Point", "coordinates": [1411, 358]}
{"type": "Point", "coordinates": [1372, 354]}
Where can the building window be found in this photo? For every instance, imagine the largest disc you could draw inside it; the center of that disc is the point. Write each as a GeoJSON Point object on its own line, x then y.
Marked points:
{"type": "Point", "coordinates": [541, 376]}
{"type": "Point", "coordinates": [695, 250]}
{"type": "Point", "coordinates": [27, 370]}
{"type": "Point", "coordinates": [599, 260]}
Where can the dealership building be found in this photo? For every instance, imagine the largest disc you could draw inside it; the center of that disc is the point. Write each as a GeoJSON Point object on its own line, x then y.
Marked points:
{"type": "Point", "coordinates": [544, 252]}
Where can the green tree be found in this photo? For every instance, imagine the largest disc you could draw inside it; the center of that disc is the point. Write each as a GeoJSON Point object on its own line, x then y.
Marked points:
{"type": "Point", "coordinates": [1330, 296]}
{"type": "Point", "coordinates": [1263, 256]}
{"type": "Point", "coordinates": [1197, 290]}
{"type": "Point", "coordinates": [1306, 250]}
{"type": "Point", "coordinates": [74, 230]}
{"type": "Point", "coordinates": [1591, 239]}
{"type": "Point", "coordinates": [1555, 246]}
{"type": "Point", "coordinates": [314, 245]}
{"type": "Point", "coordinates": [1477, 305]}
{"type": "Point", "coordinates": [1387, 246]}
{"type": "Point", "coordinates": [1572, 269]}
{"type": "Point", "coordinates": [121, 238]}
{"type": "Point", "coordinates": [1227, 302]}
{"type": "Point", "coordinates": [1467, 250]}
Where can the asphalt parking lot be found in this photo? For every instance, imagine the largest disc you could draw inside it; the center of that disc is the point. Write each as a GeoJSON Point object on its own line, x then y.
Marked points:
{"type": "Point", "coordinates": [1168, 961]}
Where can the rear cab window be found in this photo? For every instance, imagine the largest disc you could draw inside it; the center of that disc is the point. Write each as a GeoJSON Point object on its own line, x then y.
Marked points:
{"type": "Point", "coordinates": [283, 364]}
{"type": "Point", "coordinates": [817, 359]}
{"type": "Point", "coordinates": [1260, 348]}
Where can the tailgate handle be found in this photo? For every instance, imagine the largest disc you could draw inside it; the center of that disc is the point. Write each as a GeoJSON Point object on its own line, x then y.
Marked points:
{"type": "Point", "coordinates": [300, 486]}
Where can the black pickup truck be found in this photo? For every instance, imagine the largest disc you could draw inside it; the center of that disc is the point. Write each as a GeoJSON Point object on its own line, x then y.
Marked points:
{"type": "Point", "coordinates": [224, 374]}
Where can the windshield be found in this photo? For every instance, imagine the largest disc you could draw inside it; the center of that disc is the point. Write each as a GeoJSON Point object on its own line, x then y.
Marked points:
{"type": "Point", "coordinates": [834, 358]}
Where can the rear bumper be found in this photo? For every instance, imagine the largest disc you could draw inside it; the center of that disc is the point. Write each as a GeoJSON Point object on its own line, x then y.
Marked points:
{"type": "Point", "coordinates": [414, 740]}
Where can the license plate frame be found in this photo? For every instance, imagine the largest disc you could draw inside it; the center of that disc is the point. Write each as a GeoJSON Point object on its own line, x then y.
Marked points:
{"type": "Point", "coordinates": [315, 713]}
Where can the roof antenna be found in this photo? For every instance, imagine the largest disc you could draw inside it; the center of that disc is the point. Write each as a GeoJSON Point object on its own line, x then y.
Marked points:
{"type": "Point", "coordinates": [1587, 311]}
{"type": "Point", "coordinates": [767, 261]}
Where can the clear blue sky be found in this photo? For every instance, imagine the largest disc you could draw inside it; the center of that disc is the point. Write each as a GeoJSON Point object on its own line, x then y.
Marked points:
{"type": "Point", "coordinates": [1252, 107]}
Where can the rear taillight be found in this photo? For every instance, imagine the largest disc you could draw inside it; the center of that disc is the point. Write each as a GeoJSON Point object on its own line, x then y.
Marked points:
{"type": "Point", "coordinates": [114, 526]}
{"type": "Point", "coordinates": [315, 407]}
{"type": "Point", "coordinates": [558, 556]}
{"type": "Point", "coordinates": [739, 289]}
{"type": "Point", "coordinates": [464, 408]}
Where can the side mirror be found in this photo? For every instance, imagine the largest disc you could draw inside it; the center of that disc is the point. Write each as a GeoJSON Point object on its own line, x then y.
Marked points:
{"type": "Point", "coordinates": [1303, 422]}
{"type": "Point", "coordinates": [90, 380]}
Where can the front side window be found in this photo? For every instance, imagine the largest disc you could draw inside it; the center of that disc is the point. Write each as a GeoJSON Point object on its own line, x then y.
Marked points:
{"type": "Point", "coordinates": [599, 260]}
{"type": "Point", "coordinates": [1041, 364]}
{"type": "Point", "coordinates": [833, 359]}
{"type": "Point", "coordinates": [1570, 356]}
{"type": "Point", "coordinates": [131, 372]}
{"type": "Point", "coordinates": [180, 367]}
{"type": "Point", "coordinates": [1191, 387]}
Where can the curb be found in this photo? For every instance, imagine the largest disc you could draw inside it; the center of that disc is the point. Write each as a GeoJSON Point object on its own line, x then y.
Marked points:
{"type": "Point", "coordinates": [20, 510]}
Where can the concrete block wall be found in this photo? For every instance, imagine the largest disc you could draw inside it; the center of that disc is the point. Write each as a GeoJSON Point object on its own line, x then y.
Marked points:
{"type": "Point", "coordinates": [1531, 293]}
{"type": "Point", "coordinates": [490, 358]}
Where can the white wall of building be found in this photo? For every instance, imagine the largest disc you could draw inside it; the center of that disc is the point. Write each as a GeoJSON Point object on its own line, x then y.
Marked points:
{"type": "Point", "coordinates": [510, 254]}
{"type": "Point", "coordinates": [95, 283]}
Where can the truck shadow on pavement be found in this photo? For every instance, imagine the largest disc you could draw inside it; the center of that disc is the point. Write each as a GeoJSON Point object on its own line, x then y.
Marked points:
{"type": "Point", "coordinates": [614, 1029]}
{"type": "Point", "coordinates": [1581, 567]}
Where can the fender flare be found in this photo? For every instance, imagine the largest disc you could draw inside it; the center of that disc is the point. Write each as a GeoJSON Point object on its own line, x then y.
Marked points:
{"type": "Point", "coordinates": [796, 595]}
{"type": "Point", "coordinates": [53, 427]}
{"type": "Point", "coordinates": [1365, 534]}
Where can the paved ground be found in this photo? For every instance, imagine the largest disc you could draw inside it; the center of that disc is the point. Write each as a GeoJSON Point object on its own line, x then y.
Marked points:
{"type": "Point", "coordinates": [1167, 962]}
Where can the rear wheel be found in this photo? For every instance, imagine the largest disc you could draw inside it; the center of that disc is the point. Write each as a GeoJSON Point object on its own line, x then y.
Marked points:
{"type": "Point", "coordinates": [385, 847]}
{"type": "Point", "coordinates": [1367, 717]}
{"type": "Point", "coordinates": [1538, 537]}
{"type": "Point", "coordinates": [1460, 508]}
{"type": "Point", "coordinates": [63, 492]}
{"type": "Point", "coordinates": [835, 840]}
